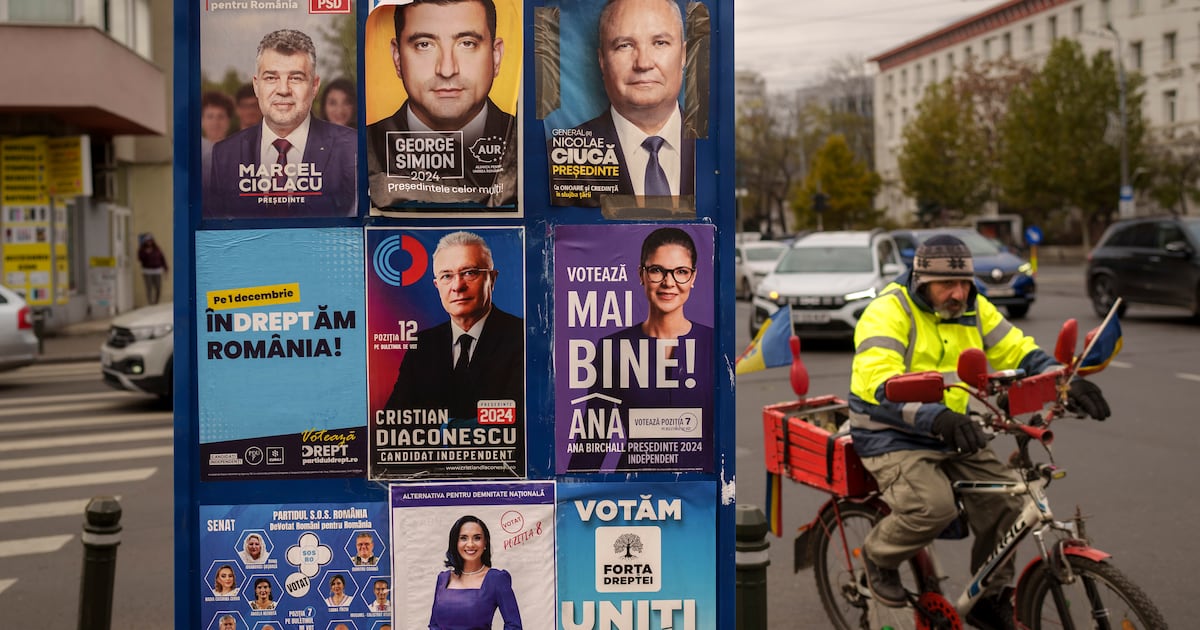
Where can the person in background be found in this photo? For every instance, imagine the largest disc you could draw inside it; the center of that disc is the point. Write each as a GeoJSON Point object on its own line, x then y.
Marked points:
{"type": "Point", "coordinates": [248, 111]}
{"type": "Point", "coordinates": [154, 266]}
{"type": "Point", "coordinates": [338, 104]}
{"type": "Point", "coordinates": [216, 114]}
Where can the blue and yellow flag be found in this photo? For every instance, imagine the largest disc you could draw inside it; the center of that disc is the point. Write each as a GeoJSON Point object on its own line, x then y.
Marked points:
{"type": "Point", "coordinates": [770, 346]}
{"type": "Point", "coordinates": [775, 503]}
{"type": "Point", "coordinates": [1105, 345]}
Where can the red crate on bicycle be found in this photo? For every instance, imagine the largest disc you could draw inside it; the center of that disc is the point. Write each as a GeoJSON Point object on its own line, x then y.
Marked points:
{"type": "Point", "coordinates": [801, 443]}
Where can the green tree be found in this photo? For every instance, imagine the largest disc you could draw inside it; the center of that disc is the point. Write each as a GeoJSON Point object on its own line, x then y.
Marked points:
{"type": "Point", "coordinates": [336, 56]}
{"type": "Point", "coordinates": [770, 160]}
{"type": "Point", "coordinates": [850, 188]}
{"type": "Point", "coordinates": [1173, 169]}
{"type": "Point", "coordinates": [1062, 139]}
{"type": "Point", "coordinates": [952, 147]}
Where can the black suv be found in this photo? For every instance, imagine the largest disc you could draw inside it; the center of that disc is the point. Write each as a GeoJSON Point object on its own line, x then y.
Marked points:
{"type": "Point", "coordinates": [1151, 261]}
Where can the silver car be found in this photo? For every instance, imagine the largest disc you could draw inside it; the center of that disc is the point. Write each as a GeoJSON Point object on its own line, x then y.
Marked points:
{"type": "Point", "coordinates": [140, 350]}
{"type": "Point", "coordinates": [752, 262]}
{"type": "Point", "coordinates": [828, 278]}
{"type": "Point", "coordinates": [18, 344]}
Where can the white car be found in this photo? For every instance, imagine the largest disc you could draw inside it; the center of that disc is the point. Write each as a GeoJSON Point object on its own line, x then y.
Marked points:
{"type": "Point", "coordinates": [828, 278]}
{"type": "Point", "coordinates": [18, 344]}
{"type": "Point", "coordinates": [140, 350]}
{"type": "Point", "coordinates": [752, 262]}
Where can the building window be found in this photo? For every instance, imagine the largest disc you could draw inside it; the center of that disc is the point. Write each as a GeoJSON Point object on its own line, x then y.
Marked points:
{"type": "Point", "coordinates": [917, 79]}
{"type": "Point", "coordinates": [1029, 36]}
{"type": "Point", "coordinates": [967, 54]}
{"type": "Point", "coordinates": [1007, 44]}
{"type": "Point", "coordinates": [891, 84]}
{"type": "Point", "coordinates": [933, 70]}
{"type": "Point", "coordinates": [1135, 50]}
{"type": "Point", "coordinates": [987, 49]}
{"type": "Point", "coordinates": [949, 62]}
{"type": "Point", "coordinates": [1077, 20]}
{"type": "Point", "coordinates": [1169, 47]}
{"type": "Point", "coordinates": [904, 81]}
{"type": "Point", "coordinates": [891, 125]}
{"type": "Point", "coordinates": [1169, 104]}
{"type": "Point", "coordinates": [1052, 29]}
{"type": "Point", "coordinates": [46, 11]}
{"type": "Point", "coordinates": [1135, 7]}
{"type": "Point", "coordinates": [1105, 12]}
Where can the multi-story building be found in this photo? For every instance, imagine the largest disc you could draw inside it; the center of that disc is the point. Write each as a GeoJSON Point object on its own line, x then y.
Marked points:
{"type": "Point", "coordinates": [1158, 38]}
{"type": "Point", "coordinates": [85, 150]}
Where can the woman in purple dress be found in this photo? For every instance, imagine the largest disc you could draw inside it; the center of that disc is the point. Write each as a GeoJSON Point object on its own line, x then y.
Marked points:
{"type": "Point", "coordinates": [470, 590]}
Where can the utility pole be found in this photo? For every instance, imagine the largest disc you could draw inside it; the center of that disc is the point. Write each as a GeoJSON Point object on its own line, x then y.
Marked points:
{"type": "Point", "coordinates": [1125, 206]}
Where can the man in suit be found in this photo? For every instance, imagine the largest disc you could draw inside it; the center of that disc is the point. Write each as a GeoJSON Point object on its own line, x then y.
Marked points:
{"type": "Point", "coordinates": [642, 54]}
{"type": "Point", "coordinates": [448, 134]}
{"type": "Point", "coordinates": [292, 164]}
{"type": "Point", "coordinates": [478, 354]}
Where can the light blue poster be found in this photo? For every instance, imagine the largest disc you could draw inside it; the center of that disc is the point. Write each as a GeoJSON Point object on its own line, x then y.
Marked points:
{"type": "Point", "coordinates": [637, 555]}
{"type": "Point", "coordinates": [301, 566]}
{"type": "Point", "coordinates": [281, 353]}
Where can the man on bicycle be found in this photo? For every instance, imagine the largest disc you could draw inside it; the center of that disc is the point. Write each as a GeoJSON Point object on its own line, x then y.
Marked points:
{"type": "Point", "coordinates": [922, 321]}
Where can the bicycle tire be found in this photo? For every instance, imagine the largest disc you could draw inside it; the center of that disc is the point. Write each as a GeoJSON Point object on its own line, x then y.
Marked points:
{"type": "Point", "coordinates": [844, 594]}
{"type": "Point", "coordinates": [1123, 600]}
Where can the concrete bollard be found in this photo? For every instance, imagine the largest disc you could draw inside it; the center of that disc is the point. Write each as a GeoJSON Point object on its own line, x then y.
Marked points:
{"type": "Point", "coordinates": [101, 535]}
{"type": "Point", "coordinates": [751, 560]}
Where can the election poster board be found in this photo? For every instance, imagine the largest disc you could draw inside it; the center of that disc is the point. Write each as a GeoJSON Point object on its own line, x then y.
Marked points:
{"type": "Point", "coordinates": [637, 555]}
{"type": "Point", "coordinates": [431, 417]}
{"type": "Point", "coordinates": [245, 174]}
{"type": "Point", "coordinates": [596, 123]}
{"type": "Point", "coordinates": [280, 353]}
{"type": "Point", "coordinates": [634, 354]}
{"type": "Point", "coordinates": [299, 565]}
{"type": "Point", "coordinates": [441, 140]}
{"type": "Point", "coordinates": [516, 521]}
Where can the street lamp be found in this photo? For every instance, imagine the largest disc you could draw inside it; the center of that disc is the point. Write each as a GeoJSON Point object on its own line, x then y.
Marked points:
{"type": "Point", "coordinates": [1125, 206]}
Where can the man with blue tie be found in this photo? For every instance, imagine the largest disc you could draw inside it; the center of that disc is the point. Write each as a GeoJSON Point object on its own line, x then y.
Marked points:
{"type": "Point", "coordinates": [642, 53]}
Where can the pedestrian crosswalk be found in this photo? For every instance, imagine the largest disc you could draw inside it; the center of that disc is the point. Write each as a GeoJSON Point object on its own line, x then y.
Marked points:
{"type": "Point", "coordinates": [65, 437]}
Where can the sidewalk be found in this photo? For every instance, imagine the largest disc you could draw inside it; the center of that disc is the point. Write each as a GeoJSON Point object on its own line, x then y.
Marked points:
{"type": "Point", "coordinates": [76, 342]}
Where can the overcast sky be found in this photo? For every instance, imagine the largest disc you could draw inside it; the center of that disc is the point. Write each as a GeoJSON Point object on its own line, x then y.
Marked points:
{"type": "Point", "coordinates": [793, 42]}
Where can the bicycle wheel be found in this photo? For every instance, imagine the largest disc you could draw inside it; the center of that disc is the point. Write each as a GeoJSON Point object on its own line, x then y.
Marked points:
{"type": "Point", "coordinates": [840, 574]}
{"type": "Point", "coordinates": [1100, 592]}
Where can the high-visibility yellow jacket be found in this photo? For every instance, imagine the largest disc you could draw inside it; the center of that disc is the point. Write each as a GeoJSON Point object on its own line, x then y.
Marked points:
{"type": "Point", "coordinates": [900, 333]}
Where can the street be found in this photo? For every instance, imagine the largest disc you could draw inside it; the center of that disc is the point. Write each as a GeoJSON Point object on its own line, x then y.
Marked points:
{"type": "Point", "coordinates": [66, 437]}
{"type": "Point", "coordinates": [1129, 474]}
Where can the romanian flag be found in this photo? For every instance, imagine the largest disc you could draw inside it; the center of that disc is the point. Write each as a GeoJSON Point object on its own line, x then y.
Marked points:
{"type": "Point", "coordinates": [775, 503]}
{"type": "Point", "coordinates": [1104, 346]}
{"type": "Point", "coordinates": [770, 346]}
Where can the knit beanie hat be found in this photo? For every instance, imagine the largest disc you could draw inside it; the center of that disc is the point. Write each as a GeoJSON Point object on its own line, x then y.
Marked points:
{"type": "Point", "coordinates": [942, 257]}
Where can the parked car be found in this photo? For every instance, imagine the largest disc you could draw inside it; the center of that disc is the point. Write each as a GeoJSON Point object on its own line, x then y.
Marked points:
{"type": "Point", "coordinates": [828, 278]}
{"type": "Point", "coordinates": [18, 345]}
{"type": "Point", "coordinates": [1002, 276]}
{"type": "Point", "coordinates": [752, 262]}
{"type": "Point", "coordinates": [140, 350]}
{"type": "Point", "coordinates": [1148, 260]}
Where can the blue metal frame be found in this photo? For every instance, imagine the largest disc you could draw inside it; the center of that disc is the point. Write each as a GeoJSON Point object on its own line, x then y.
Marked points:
{"type": "Point", "coordinates": [716, 202]}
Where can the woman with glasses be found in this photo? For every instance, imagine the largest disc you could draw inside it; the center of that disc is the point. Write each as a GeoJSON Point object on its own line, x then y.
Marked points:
{"type": "Point", "coordinates": [674, 352]}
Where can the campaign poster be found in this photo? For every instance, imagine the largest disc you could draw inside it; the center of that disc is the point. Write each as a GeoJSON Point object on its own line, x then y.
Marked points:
{"type": "Point", "coordinates": [442, 107]}
{"type": "Point", "coordinates": [446, 353]}
{"type": "Point", "coordinates": [315, 566]}
{"type": "Point", "coordinates": [278, 114]}
{"type": "Point", "coordinates": [280, 353]}
{"type": "Point", "coordinates": [623, 100]}
{"type": "Point", "coordinates": [637, 555]}
{"type": "Point", "coordinates": [634, 349]}
{"type": "Point", "coordinates": [474, 555]}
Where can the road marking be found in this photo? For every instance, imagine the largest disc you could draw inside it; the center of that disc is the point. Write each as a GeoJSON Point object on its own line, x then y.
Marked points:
{"type": "Point", "coordinates": [4, 584]}
{"type": "Point", "coordinates": [86, 458]}
{"type": "Point", "coordinates": [70, 481]}
{"type": "Point", "coordinates": [33, 425]}
{"type": "Point", "coordinates": [1120, 364]}
{"type": "Point", "coordinates": [30, 546]}
{"type": "Point", "coordinates": [56, 369]}
{"type": "Point", "coordinates": [44, 510]}
{"type": "Point", "coordinates": [61, 398]}
{"type": "Point", "coordinates": [76, 440]}
{"type": "Point", "coordinates": [73, 407]}
{"type": "Point", "coordinates": [1188, 377]}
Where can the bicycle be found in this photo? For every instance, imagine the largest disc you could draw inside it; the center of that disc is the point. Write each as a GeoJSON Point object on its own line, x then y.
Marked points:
{"type": "Point", "coordinates": [1069, 584]}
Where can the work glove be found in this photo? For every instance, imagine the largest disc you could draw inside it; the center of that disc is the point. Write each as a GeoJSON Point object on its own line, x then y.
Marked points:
{"type": "Point", "coordinates": [1085, 397]}
{"type": "Point", "coordinates": [959, 432]}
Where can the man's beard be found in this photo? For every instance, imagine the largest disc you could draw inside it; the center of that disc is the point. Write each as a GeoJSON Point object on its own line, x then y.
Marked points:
{"type": "Point", "coordinates": [950, 309]}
